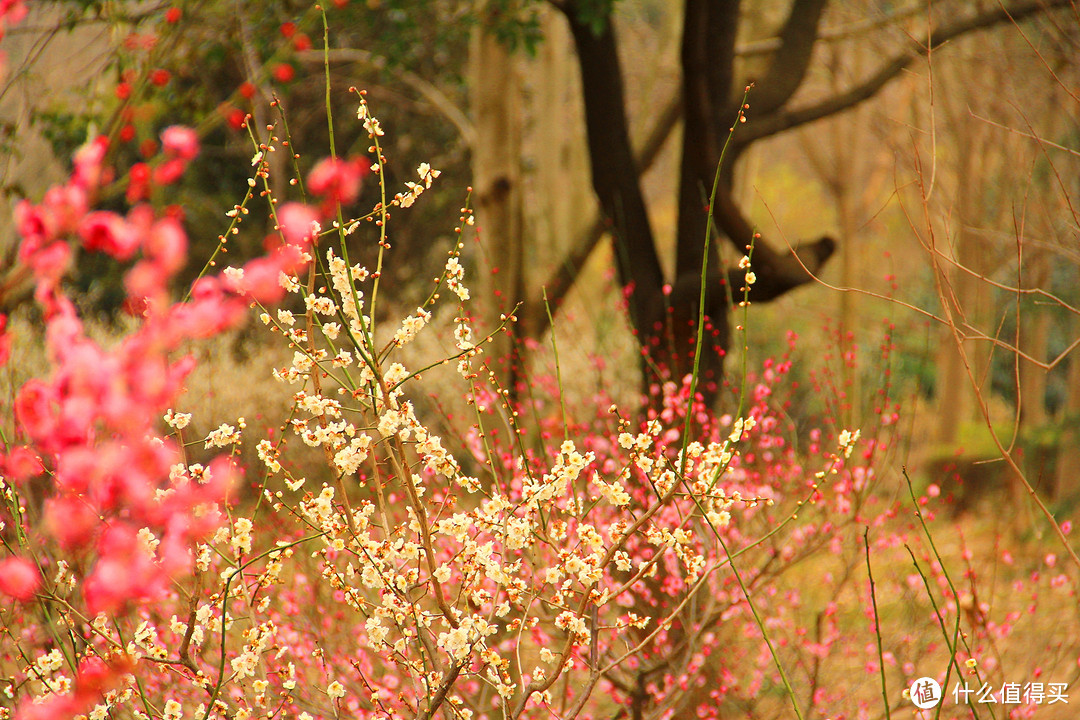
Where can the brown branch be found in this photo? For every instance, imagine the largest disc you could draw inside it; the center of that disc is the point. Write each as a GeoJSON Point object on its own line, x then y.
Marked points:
{"type": "Point", "coordinates": [776, 273]}
{"type": "Point", "coordinates": [786, 119]}
{"type": "Point", "coordinates": [720, 35]}
{"type": "Point", "coordinates": [440, 694]}
{"type": "Point", "coordinates": [837, 34]}
{"type": "Point", "coordinates": [789, 64]}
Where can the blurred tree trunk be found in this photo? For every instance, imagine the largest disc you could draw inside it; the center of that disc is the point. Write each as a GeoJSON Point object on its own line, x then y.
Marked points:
{"type": "Point", "coordinates": [836, 166]}
{"type": "Point", "coordinates": [1068, 457]}
{"type": "Point", "coordinates": [970, 294]}
{"type": "Point", "coordinates": [559, 202]}
{"type": "Point", "coordinates": [1034, 337]}
{"type": "Point", "coordinates": [496, 160]}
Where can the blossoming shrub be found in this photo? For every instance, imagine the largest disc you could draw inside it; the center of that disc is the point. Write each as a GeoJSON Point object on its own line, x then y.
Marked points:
{"type": "Point", "coordinates": [569, 564]}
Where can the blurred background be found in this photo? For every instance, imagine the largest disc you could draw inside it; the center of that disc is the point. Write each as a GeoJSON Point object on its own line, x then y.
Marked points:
{"type": "Point", "coordinates": [938, 144]}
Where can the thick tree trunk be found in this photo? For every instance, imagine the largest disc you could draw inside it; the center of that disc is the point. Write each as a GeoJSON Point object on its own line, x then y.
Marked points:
{"type": "Point", "coordinates": [496, 161]}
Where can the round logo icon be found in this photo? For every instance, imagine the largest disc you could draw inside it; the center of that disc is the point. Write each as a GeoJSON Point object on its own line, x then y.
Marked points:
{"type": "Point", "coordinates": [925, 693]}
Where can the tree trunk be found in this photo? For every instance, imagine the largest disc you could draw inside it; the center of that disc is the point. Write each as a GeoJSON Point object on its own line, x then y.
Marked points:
{"type": "Point", "coordinates": [1034, 336]}
{"type": "Point", "coordinates": [496, 162]}
{"type": "Point", "coordinates": [1068, 455]}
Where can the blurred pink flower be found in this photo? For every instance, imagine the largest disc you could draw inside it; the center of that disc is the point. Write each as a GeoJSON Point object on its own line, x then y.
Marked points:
{"type": "Point", "coordinates": [170, 171]}
{"type": "Point", "coordinates": [109, 233]}
{"type": "Point", "coordinates": [90, 172]}
{"type": "Point", "coordinates": [181, 142]}
{"type": "Point", "coordinates": [19, 578]}
{"type": "Point", "coordinates": [298, 224]}
{"type": "Point", "coordinates": [337, 181]}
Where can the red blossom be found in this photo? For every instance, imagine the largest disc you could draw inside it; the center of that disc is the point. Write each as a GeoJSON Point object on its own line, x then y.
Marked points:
{"type": "Point", "coordinates": [284, 72]}
{"type": "Point", "coordinates": [236, 118]}
{"type": "Point", "coordinates": [138, 183]}
{"type": "Point", "coordinates": [172, 15]}
{"type": "Point", "coordinates": [160, 77]}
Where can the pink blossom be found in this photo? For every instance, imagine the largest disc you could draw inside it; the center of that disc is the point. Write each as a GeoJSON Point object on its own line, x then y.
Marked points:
{"type": "Point", "coordinates": [337, 180]}
{"type": "Point", "coordinates": [21, 464]}
{"type": "Point", "coordinates": [5, 341]}
{"type": "Point", "coordinates": [123, 573]}
{"type": "Point", "coordinates": [181, 142]}
{"type": "Point", "coordinates": [90, 172]}
{"type": "Point", "coordinates": [36, 226]}
{"type": "Point", "coordinates": [71, 521]}
{"type": "Point", "coordinates": [35, 409]}
{"type": "Point", "coordinates": [167, 244]}
{"type": "Point", "coordinates": [298, 224]}
{"type": "Point", "coordinates": [109, 233]}
{"type": "Point", "coordinates": [12, 13]}
{"type": "Point", "coordinates": [170, 171]}
{"type": "Point", "coordinates": [261, 279]}
{"type": "Point", "coordinates": [209, 312]}
{"type": "Point", "coordinates": [147, 281]}
{"type": "Point", "coordinates": [66, 204]}
{"type": "Point", "coordinates": [93, 678]}
{"type": "Point", "coordinates": [51, 262]}
{"type": "Point", "coordinates": [19, 578]}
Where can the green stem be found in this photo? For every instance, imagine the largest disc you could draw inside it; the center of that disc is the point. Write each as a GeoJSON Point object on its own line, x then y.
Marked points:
{"type": "Point", "coordinates": [877, 624]}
